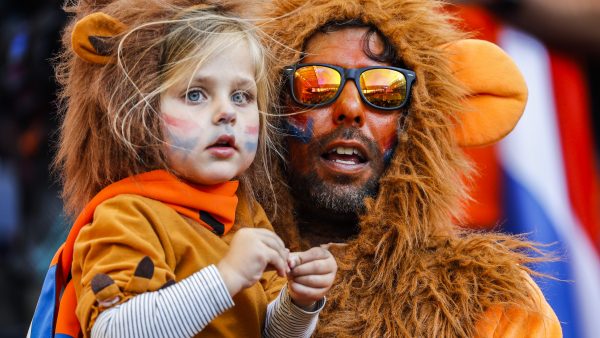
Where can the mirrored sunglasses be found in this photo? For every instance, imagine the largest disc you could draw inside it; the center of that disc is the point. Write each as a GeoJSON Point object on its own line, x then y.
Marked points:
{"type": "Point", "coordinates": [381, 87]}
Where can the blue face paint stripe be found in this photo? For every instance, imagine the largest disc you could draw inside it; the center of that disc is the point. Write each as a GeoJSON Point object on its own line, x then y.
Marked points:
{"type": "Point", "coordinates": [251, 146]}
{"type": "Point", "coordinates": [302, 135]}
{"type": "Point", "coordinates": [182, 144]}
{"type": "Point", "coordinates": [388, 155]}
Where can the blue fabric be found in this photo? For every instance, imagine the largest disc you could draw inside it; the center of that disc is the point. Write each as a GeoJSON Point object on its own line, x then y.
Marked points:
{"type": "Point", "coordinates": [43, 317]}
{"type": "Point", "coordinates": [525, 215]}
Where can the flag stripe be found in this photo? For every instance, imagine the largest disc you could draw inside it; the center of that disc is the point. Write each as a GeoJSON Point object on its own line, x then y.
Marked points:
{"type": "Point", "coordinates": [574, 122]}
{"type": "Point", "coordinates": [532, 158]}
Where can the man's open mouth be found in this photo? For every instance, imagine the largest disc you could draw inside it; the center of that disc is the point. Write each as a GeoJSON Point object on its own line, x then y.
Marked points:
{"type": "Point", "coordinates": [348, 155]}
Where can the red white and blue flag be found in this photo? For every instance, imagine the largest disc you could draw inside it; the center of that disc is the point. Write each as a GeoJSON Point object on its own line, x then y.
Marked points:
{"type": "Point", "coordinates": [550, 185]}
{"type": "Point", "coordinates": [542, 179]}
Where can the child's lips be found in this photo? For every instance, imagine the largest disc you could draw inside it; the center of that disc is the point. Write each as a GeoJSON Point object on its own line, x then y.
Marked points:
{"type": "Point", "coordinates": [224, 147]}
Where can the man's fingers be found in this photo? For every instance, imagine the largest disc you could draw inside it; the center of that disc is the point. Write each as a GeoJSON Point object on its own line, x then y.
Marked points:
{"type": "Point", "coordinates": [315, 281]}
{"type": "Point", "coordinates": [310, 255]}
{"type": "Point", "coordinates": [331, 245]}
{"type": "Point", "coordinates": [306, 291]}
{"type": "Point", "coordinates": [318, 267]}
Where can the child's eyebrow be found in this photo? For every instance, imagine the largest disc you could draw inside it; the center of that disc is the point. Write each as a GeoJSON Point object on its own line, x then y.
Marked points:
{"type": "Point", "coordinates": [245, 82]}
{"type": "Point", "coordinates": [241, 81]}
{"type": "Point", "coordinates": [209, 80]}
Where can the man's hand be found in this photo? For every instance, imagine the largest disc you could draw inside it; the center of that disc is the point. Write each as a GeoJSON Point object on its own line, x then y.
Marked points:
{"type": "Point", "coordinates": [311, 276]}
{"type": "Point", "coordinates": [250, 252]}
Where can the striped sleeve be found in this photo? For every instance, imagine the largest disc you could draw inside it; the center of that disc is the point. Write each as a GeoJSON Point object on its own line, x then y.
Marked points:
{"type": "Point", "coordinates": [180, 310]}
{"type": "Point", "coordinates": [284, 319]}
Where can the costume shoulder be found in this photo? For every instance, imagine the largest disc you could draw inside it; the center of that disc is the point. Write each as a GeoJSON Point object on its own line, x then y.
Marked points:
{"type": "Point", "coordinates": [104, 270]}
{"type": "Point", "coordinates": [513, 321]}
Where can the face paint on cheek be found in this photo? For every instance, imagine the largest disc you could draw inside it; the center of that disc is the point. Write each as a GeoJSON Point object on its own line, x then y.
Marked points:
{"type": "Point", "coordinates": [251, 133]}
{"type": "Point", "coordinates": [251, 130]}
{"type": "Point", "coordinates": [183, 125]}
{"type": "Point", "coordinates": [182, 144]}
{"type": "Point", "coordinates": [183, 134]}
{"type": "Point", "coordinates": [251, 146]}
{"type": "Point", "coordinates": [302, 134]}
{"type": "Point", "coordinates": [389, 149]}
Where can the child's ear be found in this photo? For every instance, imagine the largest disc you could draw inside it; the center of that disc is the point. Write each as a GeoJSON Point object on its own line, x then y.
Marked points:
{"type": "Point", "coordinates": [497, 91]}
{"type": "Point", "coordinates": [91, 37]}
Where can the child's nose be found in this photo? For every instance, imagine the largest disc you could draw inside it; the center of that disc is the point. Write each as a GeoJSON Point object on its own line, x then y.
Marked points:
{"type": "Point", "coordinates": [224, 117]}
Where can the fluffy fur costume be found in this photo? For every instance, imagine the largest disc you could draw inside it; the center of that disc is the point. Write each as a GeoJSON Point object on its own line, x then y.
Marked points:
{"type": "Point", "coordinates": [411, 271]}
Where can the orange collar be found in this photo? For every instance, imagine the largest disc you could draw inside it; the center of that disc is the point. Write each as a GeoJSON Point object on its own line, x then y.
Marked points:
{"type": "Point", "coordinates": [213, 206]}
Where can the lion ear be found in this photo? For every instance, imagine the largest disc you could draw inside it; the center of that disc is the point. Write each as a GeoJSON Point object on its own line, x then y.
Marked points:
{"type": "Point", "coordinates": [91, 37]}
{"type": "Point", "coordinates": [497, 92]}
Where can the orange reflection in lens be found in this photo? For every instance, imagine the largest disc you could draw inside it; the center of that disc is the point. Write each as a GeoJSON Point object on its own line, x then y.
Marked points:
{"type": "Point", "coordinates": [383, 87]}
{"type": "Point", "coordinates": [316, 84]}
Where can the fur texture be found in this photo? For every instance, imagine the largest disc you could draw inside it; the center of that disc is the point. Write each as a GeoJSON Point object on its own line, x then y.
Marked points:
{"type": "Point", "coordinates": [411, 271]}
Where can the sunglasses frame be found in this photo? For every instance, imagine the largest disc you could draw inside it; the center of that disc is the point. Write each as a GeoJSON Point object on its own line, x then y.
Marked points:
{"type": "Point", "coordinates": [350, 73]}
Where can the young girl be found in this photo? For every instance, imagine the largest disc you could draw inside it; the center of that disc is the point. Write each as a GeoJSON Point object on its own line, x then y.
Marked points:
{"type": "Point", "coordinates": [162, 121]}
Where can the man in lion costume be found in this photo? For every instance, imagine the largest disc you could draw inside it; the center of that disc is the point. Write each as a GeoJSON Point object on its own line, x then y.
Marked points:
{"type": "Point", "coordinates": [382, 178]}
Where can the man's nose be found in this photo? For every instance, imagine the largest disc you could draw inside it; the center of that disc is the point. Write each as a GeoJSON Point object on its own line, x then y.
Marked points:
{"type": "Point", "coordinates": [349, 108]}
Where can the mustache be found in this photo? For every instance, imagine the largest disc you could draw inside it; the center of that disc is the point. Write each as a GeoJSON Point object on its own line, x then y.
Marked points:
{"type": "Point", "coordinates": [319, 145]}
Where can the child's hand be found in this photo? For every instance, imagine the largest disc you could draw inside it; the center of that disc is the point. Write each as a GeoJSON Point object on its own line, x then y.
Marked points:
{"type": "Point", "coordinates": [250, 252]}
{"type": "Point", "coordinates": [311, 276]}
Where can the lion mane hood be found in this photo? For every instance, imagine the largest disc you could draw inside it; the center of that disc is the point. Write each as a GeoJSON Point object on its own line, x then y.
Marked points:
{"type": "Point", "coordinates": [411, 271]}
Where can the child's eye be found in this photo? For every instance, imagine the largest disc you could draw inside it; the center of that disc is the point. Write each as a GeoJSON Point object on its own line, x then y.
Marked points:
{"type": "Point", "coordinates": [241, 98]}
{"type": "Point", "coordinates": [195, 95]}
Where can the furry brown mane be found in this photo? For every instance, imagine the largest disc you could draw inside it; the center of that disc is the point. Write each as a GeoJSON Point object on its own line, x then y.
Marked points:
{"type": "Point", "coordinates": [411, 272]}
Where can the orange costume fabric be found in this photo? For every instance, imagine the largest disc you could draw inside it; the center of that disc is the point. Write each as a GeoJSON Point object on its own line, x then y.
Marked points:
{"type": "Point", "coordinates": [127, 227]}
{"type": "Point", "coordinates": [515, 322]}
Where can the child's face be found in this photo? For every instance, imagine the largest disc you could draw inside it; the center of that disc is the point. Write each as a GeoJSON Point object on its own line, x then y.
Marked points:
{"type": "Point", "coordinates": [211, 126]}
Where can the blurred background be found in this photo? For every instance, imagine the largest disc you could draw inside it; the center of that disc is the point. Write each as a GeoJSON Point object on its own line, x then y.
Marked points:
{"type": "Point", "coordinates": [543, 179]}
{"type": "Point", "coordinates": [31, 223]}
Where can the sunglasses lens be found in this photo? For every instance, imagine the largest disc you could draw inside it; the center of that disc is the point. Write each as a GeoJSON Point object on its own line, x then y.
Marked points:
{"type": "Point", "coordinates": [316, 84]}
{"type": "Point", "coordinates": [385, 88]}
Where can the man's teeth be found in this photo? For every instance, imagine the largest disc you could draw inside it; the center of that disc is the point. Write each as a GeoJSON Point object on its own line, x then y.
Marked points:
{"type": "Point", "coordinates": [345, 151]}
{"type": "Point", "coordinates": [344, 162]}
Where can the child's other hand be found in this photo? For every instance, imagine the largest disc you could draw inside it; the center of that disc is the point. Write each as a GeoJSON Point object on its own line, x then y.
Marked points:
{"type": "Point", "coordinates": [250, 252]}
{"type": "Point", "coordinates": [311, 276]}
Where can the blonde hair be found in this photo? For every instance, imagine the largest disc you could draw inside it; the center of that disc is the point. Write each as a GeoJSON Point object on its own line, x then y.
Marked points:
{"type": "Point", "coordinates": [112, 128]}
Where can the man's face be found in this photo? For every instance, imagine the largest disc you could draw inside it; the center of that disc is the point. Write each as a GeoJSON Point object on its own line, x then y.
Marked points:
{"type": "Point", "coordinates": [338, 152]}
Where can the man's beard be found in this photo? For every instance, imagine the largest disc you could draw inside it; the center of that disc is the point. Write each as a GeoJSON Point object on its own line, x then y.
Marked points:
{"type": "Point", "coordinates": [340, 195]}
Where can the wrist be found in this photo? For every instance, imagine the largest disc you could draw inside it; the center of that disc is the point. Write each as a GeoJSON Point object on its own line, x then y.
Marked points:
{"type": "Point", "coordinates": [230, 278]}
{"type": "Point", "coordinates": [307, 305]}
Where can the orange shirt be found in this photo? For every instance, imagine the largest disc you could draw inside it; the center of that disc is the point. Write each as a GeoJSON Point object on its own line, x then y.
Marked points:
{"type": "Point", "coordinates": [128, 227]}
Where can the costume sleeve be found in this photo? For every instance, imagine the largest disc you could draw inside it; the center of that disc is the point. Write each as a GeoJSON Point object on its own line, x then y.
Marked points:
{"type": "Point", "coordinates": [285, 319]}
{"type": "Point", "coordinates": [180, 310]}
{"type": "Point", "coordinates": [125, 230]}
{"type": "Point", "coordinates": [515, 322]}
